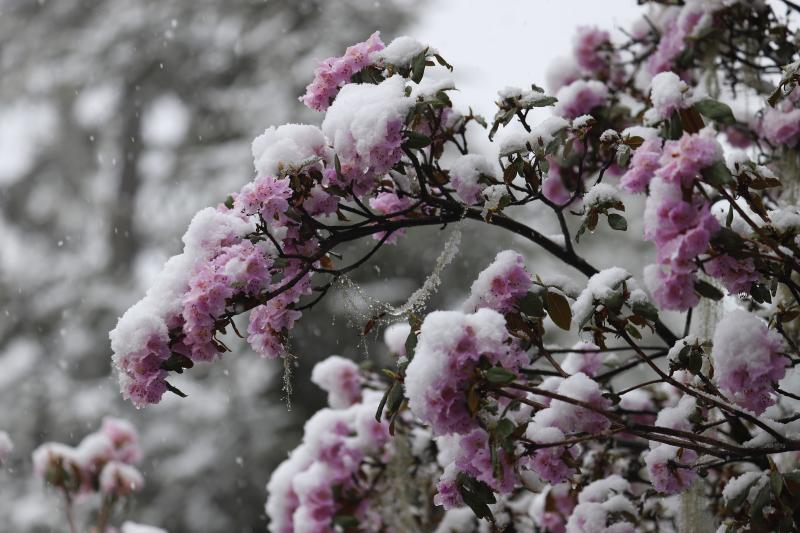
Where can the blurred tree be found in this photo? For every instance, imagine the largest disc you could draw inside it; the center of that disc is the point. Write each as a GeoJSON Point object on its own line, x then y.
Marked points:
{"type": "Point", "coordinates": [118, 120]}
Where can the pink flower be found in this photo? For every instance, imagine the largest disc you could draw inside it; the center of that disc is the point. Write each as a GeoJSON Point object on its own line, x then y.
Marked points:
{"type": "Point", "coordinates": [339, 377]}
{"type": "Point", "coordinates": [587, 47]}
{"type": "Point", "coordinates": [737, 276]}
{"type": "Point", "coordinates": [587, 362]}
{"type": "Point", "coordinates": [781, 127]}
{"type": "Point", "coordinates": [747, 360]}
{"type": "Point", "coordinates": [475, 459]}
{"type": "Point", "coordinates": [683, 159]}
{"type": "Point", "coordinates": [335, 72]}
{"type": "Point", "coordinates": [120, 479]}
{"type": "Point", "coordinates": [665, 473]}
{"type": "Point", "coordinates": [671, 290]}
{"type": "Point", "coordinates": [501, 285]}
{"type": "Point", "coordinates": [447, 493]}
{"type": "Point", "coordinates": [266, 196]}
{"type": "Point", "coordinates": [549, 462]}
{"type": "Point", "coordinates": [124, 437]}
{"type": "Point", "coordinates": [673, 38]}
{"type": "Point", "coordinates": [644, 163]}
{"type": "Point", "coordinates": [386, 203]}
{"type": "Point", "coordinates": [580, 97]}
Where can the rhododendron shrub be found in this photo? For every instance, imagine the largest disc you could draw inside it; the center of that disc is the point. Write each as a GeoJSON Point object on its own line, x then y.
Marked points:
{"type": "Point", "coordinates": [540, 402]}
{"type": "Point", "coordinates": [99, 472]}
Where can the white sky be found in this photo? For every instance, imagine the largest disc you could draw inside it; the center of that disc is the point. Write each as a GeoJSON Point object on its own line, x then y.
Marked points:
{"type": "Point", "coordinates": [496, 43]}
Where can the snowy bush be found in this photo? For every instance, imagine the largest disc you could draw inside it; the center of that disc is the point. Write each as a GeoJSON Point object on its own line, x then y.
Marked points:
{"type": "Point", "coordinates": [484, 409]}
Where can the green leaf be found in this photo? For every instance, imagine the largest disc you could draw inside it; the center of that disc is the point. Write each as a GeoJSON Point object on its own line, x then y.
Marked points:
{"type": "Point", "coordinates": [477, 495]}
{"type": "Point", "coordinates": [345, 521]}
{"type": "Point", "coordinates": [416, 140]}
{"type": "Point", "coordinates": [760, 293]}
{"type": "Point", "coordinates": [418, 66]}
{"type": "Point", "coordinates": [499, 376]}
{"type": "Point", "coordinates": [617, 222]}
{"type": "Point", "coordinates": [531, 304]}
{"type": "Point", "coordinates": [717, 174]}
{"type": "Point", "coordinates": [229, 202]}
{"type": "Point", "coordinates": [504, 429]}
{"type": "Point", "coordinates": [715, 110]}
{"type": "Point", "coordinates": [623, 155]}
{"type": "Point", "coordinates": [559, 310]}
{"type": "Point", "coordinates": [705, 289]}
{"type": "Point", "coordinates": [645, 309]}
{"type": "Point", "coordinates": [544, 101]}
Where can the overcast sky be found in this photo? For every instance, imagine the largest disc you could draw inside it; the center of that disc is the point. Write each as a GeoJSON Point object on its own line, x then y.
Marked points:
{"type": "Point", "coordinates": [496, 43]}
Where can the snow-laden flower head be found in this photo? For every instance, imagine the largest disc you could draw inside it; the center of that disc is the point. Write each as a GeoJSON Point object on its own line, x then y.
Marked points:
{"type": "Point", "coordinates": [289, 147]}
{"type": "Point", "coordinates": [669, 93]}
{"type": "Point", "coordinates": [365, 126]}
{"type": "Point", "coordinates": [124, 438]}
{"type": "Point", "coordinates": [338, 377]}
{"type": "Point", "coordinates": [643, 166]}
{"type": "Point", "coordinates": [747, 360]}
{"type": "Point", "coordinates": [580, 97]}
{"type": "Point", "coordinates": [447, 354]}
{"type": "Point", "coordinates": [120, 479]}
{"type": "Point", "coordinates": [501, 285]}
{"type": "Point", "coordinates": [669, 468]}
{"type": "Point", "coordinates": [465, 173]}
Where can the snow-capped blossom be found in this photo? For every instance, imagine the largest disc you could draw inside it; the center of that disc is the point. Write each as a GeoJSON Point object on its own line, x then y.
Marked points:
{"type": "Point", "coordinates": [572, 418]}
{"type": "Point", "coordinates": [94, 451]}
{"type": "Point", "coordinates": [551, 463]}
{"type": "Point", "coordinates": [447, 493]}
{"type": "Point", "coordinates": [241, 268]}
{"type": "Point", "coordinates": [402, 50]}
{"type": "Point", "coordinates": [683, 159]}
{"type": "Point", "coordinates": [280, 150]}
{"type": "Point", "coordinates": [580, 97]}
{"type": "Point", "coordinates": [386, 203]}
{"type": "Point", "coordinates": [673, 38]}
{"type": "Point", "coordinates": [465, 173]}
{"type": "Point", "coordinates": [120, 479]}
{"type": "Point", "coordinates": [679, 416]}
{"type": "Point", "coordinates": [141, 344]}
{"type": "Point", "coordinates": [501, 285]}
{"type": "Point", "coordinates": [680, 230]}
{"type": "Point", "coordinates": [212, 229]}
{"type": "Point", "coordinates": [600, 287]}
{"type": "Point", "coordinates": [594, 517]}
{"type": "Point", "coordinates": [587, 45]}
{"type": "Point", "coordinates": [53, 460]}
{"type": "Point", "coordinates": [395, 338]}
{"type": "Point", "coordinates": [671, 290]}
{"type": "Point", "coordinates": [302, 495]}
{"type": "Point", "coordinates": [124, 438]}
{"type": "Point", "coordinates": [338, 377]}
{"type": "Point", "coordinates": [265, 196]}
{"type": "Point", "coordinates": [669, 94]}
{"type": "Point", "coordinates": [643, 166]}
{"type": "Point", "coordinates": [365, 126]}
{"type": "Point", "coordinates": [586, 362]}
{"type": "Point", "coordinates": [320, 202]}
{"type": "Point", "coordinates": [747, 360]}
{"type": "Point", "coordinates": [553, 517]}
{"type": "Point", "coordinates": [781, 127]}
{"type": "Point", "coordinates": [449, 347]}
{"type": "Point", "coordinates": [664, 464]}
{"type": "Point", "coordinates": [335, 72]}
{"type": "Point", "coordinates": [735, 275]}
{"type": "Point", "coordinates": [6, 446]}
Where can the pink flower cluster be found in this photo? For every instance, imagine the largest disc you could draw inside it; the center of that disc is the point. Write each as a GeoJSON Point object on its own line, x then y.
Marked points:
{"type": "Point", "coordinates": [475, 459]}
{"type": "Point", "coordinates": [669, 469]}
{"type": "Point", "coordinates": [335, 72]}
{"type": "Point", "coordinates": [781, 126]}
{"type": "Point", "coordinates": [387, 203]}
{"type": "Point", "coordinates": [580, 97]}
{"type": "Point", "coordinates": [327, 471]}
{"type": "Point", "coordinates": [338, 377]}
{"type": "Point", "coordinates": [242, 268]}
{"type": "Point", "coordinates": [678, 221]}
{"type": "Point", "coordinates": [737, 276]}
{"type": "Point", "coordinates": [450, 345]}
{"type": "Point", "coordinates": [603, 506]}
{"type": "Point", "coordinates": [673, 39]}
{"type": "Point", "coordinates": [644, 164]}
{"type": "Point", "coordinates": [588, 44]}
{"type": "Point", "coordinates": [747, 360]}
{"type": "Point", "coordinates": [501, 285]}
{"type": "Point", "coordinates": [101, 462]}
{"type": "Point", "coordinates": [265, 196]}
{"type": "Point", "coordinates": [552, 507]}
